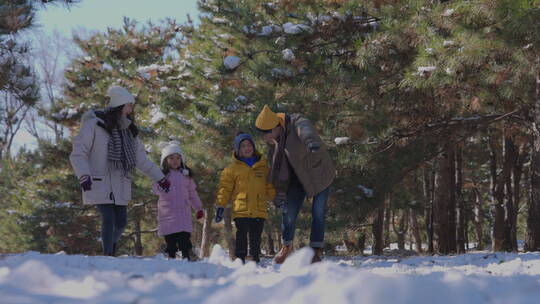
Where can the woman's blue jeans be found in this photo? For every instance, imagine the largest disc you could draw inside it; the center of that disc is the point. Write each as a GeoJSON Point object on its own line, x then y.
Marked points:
{"type": "Point", "coordinates": [295, 198]}
{"type": "Point", "coordinates": [113, 223]}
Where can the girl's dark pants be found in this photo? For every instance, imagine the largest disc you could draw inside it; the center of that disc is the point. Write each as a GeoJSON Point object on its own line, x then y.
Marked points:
{"type": "Point", "coordinates": [179, 241]}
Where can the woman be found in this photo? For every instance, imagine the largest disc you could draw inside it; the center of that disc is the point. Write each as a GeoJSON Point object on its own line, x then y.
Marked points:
{"type": "Point", "coordinates": [105, 151]}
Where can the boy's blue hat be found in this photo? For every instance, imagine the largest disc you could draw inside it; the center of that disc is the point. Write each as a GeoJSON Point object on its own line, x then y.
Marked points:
{"type": "Point", "coordinates": [239, 139]}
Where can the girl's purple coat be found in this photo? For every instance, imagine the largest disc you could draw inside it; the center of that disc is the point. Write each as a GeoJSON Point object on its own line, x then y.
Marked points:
{"type": "Point", "coordinates": [174, 207]}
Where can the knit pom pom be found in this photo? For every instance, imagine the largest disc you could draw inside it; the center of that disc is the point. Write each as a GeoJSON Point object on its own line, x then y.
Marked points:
{"type": "Point", "coordinates": [164, 144]}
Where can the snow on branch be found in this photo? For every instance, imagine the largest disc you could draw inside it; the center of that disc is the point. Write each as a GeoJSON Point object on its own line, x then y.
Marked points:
{"type": "Point", "coordinates": [288, 54]}
{"type": "Point", "coordinates": [341, 140]}
{"type": "Point", "coordinates": [367, 192]}
{"type": "Point", "coordinates": [231, 62]}
{"type": "Point", "coordinates": [293, 29]}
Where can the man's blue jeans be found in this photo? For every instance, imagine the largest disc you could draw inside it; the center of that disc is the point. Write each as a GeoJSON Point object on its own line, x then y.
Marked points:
{"type": "Point", "coordinates": [113, 223]}
{"type": "Point", "coordinates": [295, 198]}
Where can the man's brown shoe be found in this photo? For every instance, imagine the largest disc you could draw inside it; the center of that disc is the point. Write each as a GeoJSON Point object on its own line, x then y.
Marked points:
{"type": "Point", "coordinates": [283, 254]}
{"type": "Point", "coordinates": [317, 256]}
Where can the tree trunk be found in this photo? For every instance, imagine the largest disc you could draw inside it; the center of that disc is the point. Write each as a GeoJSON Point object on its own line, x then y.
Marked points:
{"type": "Point", "coordinates": [271, 248]}
{"type": "Point", "coordinates": [401, 230]}
{"type": "Point", "coordinates": [138, 241]}
{"type": "Point", "coordinates": [517, 175]}
{"type": "Point", "coordinates": [461, 225]}
{"type": "Point", "coordinates": [503, 195]}
{"type": "Point", "coordinates": [532, 242]}
{"type": "Point", "coordinates": [466, 226]}
{"type": "Point", "coordinates": [347, 242]}
{"type": "Point", "coordinates": [510, 158]}
{"type": "Point", "coordinates": [227, 218]}
{"type": "Point", "coordinates": [206, 232]}
{"type": "Point", "coordinates": [452, 223]}
{"type": "Point", "coordinates": [378, 227]}
{"type": "Point", "coordinates": [361, 245]}
{"type": "Point", "coordinates": [497, 197]}
{"type": "Point", "coordinates": [277, 236]}
{"type": "Point", "coordinates": [441, 223]}
{"type": "Point", "coordinates": [416, 231]}
{"type": "Point", "coordinates": [479, 219]}
{"type": "Point", "coordinates": [387, 216]}
{"type": "Point", "coordinates": [428, 187]}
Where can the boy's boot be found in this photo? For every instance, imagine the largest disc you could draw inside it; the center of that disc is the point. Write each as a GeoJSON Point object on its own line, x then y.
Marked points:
{"type": "Point", "coordinates": [242, 258]}
{"type": "Point", "coordinates": [256, 259]}
{"type": "Point", "coordinates": [317, 255]}
{"type": "Point", "coordinates": [283, 253]}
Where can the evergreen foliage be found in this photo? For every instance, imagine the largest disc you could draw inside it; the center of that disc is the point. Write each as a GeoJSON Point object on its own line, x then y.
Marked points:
{"type": "Point", "coordinates": [428, 109]}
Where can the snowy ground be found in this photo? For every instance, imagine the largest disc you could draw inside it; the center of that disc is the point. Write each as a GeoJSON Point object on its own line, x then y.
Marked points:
{"type": "Point", "coordinates": [470, 278]}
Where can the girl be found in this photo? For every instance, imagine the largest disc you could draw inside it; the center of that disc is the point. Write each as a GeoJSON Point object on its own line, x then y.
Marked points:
{"type": "Point", "coordinates": [174, 214]}
{"type": "Point", "coordinates": [244, 184]}
{"type": "Point", "coordinates": [105, 152]}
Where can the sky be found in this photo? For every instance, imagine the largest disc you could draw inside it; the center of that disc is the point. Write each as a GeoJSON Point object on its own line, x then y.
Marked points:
{"type": "Point", "coordinates": [98, 15]}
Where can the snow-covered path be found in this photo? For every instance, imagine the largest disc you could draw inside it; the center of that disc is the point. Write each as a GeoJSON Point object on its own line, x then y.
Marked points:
{"type": "Point", "coordinates": [470, 278]}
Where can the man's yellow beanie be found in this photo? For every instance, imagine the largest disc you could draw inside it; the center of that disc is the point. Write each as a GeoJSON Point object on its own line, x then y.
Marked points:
{"type": "Point", "coordinates": [267, 119]}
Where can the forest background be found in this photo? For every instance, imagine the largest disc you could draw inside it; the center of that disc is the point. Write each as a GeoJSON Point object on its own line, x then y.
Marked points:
{"type": "Point", "coordinates": [430, 109]}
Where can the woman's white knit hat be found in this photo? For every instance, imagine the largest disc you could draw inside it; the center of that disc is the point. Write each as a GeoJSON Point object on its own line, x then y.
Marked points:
{"type": "Point", "coordinates": [119, 96]}
{"type": "Point", "coordinates": [169, 148]}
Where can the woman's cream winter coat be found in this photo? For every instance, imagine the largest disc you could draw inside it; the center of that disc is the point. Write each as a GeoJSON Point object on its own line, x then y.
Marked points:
{"type": "Point", "coordinates": [89, 157]}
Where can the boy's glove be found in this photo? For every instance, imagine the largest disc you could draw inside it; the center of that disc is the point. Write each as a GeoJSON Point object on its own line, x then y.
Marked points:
{"type": "Point", "coordinates": [200, 214]}
{"type": "Point", "coordinates": [86, 182]}
{"type": "Point", "coordinates": [164, 184]}
{"type": "Point", "coordinates": [314, 146]}
{"type": "Point", "coordinates": [219, 214]}
{"type": "Point", "coordinates": [279, 200]}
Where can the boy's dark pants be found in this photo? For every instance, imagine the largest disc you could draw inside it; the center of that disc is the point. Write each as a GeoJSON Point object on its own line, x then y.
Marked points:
{"type": "Point", "coordinates": [179, 241]}
{"type": "Point", "coordinates": [252, 228]}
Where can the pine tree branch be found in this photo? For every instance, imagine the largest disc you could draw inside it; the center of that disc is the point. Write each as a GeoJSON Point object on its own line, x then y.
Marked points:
{"type": "Point", "coordinates": [470, 122]}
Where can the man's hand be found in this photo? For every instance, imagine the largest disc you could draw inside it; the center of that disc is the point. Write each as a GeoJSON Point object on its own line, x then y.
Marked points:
{"type": "Point", "coordinates": [314, 146]}
{"type": "Point", "coordinates": [279, 200]}
{"type": "Point", "coordinates": [274, 142]}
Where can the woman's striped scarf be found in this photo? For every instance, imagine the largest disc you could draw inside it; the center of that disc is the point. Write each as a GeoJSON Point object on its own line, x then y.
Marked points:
{"type": "Point", "coordinates": [121, 150]}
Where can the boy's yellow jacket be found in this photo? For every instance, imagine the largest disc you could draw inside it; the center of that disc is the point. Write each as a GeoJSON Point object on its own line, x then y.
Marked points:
{"type": "Point", "coordinates": [247, 188]}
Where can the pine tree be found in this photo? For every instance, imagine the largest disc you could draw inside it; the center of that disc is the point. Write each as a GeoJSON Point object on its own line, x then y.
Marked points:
{"type": "Point", "coordinates": [19, 91]}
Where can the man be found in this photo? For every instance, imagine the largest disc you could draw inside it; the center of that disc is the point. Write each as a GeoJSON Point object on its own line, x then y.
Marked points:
{"type": "Point", "coordinates": [300, 167]}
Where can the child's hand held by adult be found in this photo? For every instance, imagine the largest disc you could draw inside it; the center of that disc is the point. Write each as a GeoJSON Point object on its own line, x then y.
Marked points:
{"type": "Point", "coordinates": [164, 184]}
{"type": "Point", "coordinates": [200, 214]}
